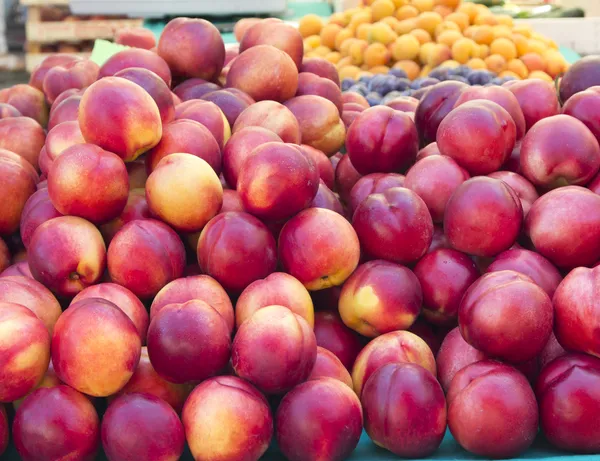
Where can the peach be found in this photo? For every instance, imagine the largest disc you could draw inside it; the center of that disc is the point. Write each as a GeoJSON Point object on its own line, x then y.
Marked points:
{"type": "Point", "coordinates": [23, 136]}
{"type": "Point", "coordinates": [189, 137]}
{"type": "Point", "coordinates": [395, 215]}
{"type": "Point", "coordinates": [38, 209]}
{"type": "Point", "coordinates": [55, 423]}
{"type": "Point", "coordinates": [277, 289]}
{"type": "Point", "coordinates": [65, 111]}
{"type": "Point", "coordinates": [67, 254]}
{"type": "Point", "coordinates": [4, 255]}
{"type": "Point", "coordinates": [28, 100]}
{"type": "Point", "coordinates": [491, 233]}
{"type": "Point", "coordinates": [404, 104]}
{"type": "Point", "coordinates": [145, 380]}
{"type": "Point", "coordinates": [135, 37]}
{"type": "Point", "coordinates": [4, 430]}
{"type": "Point", "coordinates": [582, 106]}
{"type": "Point", "coordinates": [155, 87]}
{"type": "Point", "coordinates": [580, 76]}
{"type": "Point", "coordinates": [531, 264]}
{"type": "Point", "coordinates": [382, 140]}
{"type": "Point", "coordinates": [276, 201]}
{"type": "Point", "coordinates": [380, 297]}
{"type": "Point", "coordinates": [274, 370]}
{"type": "Point", "coordinates": [59, 139]}
{"type": "Point", "coordinates": [65, 95]}
{"type": "Point", "coordinates": [38, 74]}
{"type": "Point", "coordinates": [504, 293]}
{"type": "Point", "coordinates": [544, 160]}
{"type": "Point", "coordinates": [319, 248]}
{"type": "Point", "coordinates": [19, 269]}
{"type": "Point", "coordinates": [521, 186]}
{"type": "Point", "coordinates": [393, 347]}
{"type": "Point", "coordinates": [550, 222]}
{"type": "Point", "coordinates": [76, 74]}
{"type": "Point", "coordinates": [184, 191]}
{"type": "Point", "coordinates": [435, 105]}
{"type": "Point", "coordinates": [243, 25]}
{"type": "Point", "coordinates": [350, 112]}
{"type": "Point", "coordinates": [264, 73]}
{"type": "Point", "coordinates": [328, 365]}
{"type": "Point", "coordinates": [158, 435]}
{"type": "Point", "coordinates": [88, 196]}
{"type": "Point", "coordinates": [319, 121]}
{"type": "Point", "coordinates": [324, 166]}
{"type": "Point", "coordinates": [311, 84]}
{"type": "Point", "coordinates": [346, 177]}
{"type": "Point", "coordinates": [136, 208]}
{"type": "Point", "coordinates": [33, 295]}
{"type": "Point", "coordinates": [322, 68]}
{"type": "Point", "coordinates": [327, 199]}
{"type": "Point", "coordinates": [188, 342]}
{"type": "Point", "coordinates": [232, 102]}
{"type": "Point", "coordinates": [490, 402]}
{"type": "Point", "coordinates": [350, 97]}
{"type": "Point", "coordinates": [333, 437]}
{"type": "Point", "coordinates": [435, 179]}
{"type": "Point", "coordinates": [208, 114]}
{"type": "Point", "coordinates": [8, 111]}
{"type": "Point", "coordinates": [551, 351]}
{"type": "Point", "coordinates": [194, 88]}
{"type": "Point", "coordinates": [272, 116]}
{"type": "Point", "coordinates": [405, 410]}
{"type": "Point", "coordinates": [25, 351]}
{"type": "Point", "coordinates": [231, 201]}
{"type": "Point", "coordinates": [236, 249]}
{"type": "Point", "coordinates": [537, 99]}
{"type": "Point", "coordinates": [227, 408]}
{"type": "Point", "coordinates": [566, 385]}
{"type": "Point", "coordinates": [333, 335]}
{"type": "Point", "coordinates": [128, 133]}
{"type": "Point", "coordinates": [454, 355]}
{"type": "Point", "coordinates": [19, 180]}
{"type": "Point", "coordinates": [444, 275]}
{"type": "Point", "coordinates": [576, 311]}
{"type": "Point", "coordinates": [96, 331]}
{"type": "Point", "coordinates": [374, 183]}
{"type": "Point", "coordinates": [137, 174]}
{"type": "Point", "coordinates": [144, 256]}
{"type": "Point", "coordinates": [136, 57]}
{"type": "Point", "coordinates": [280, 35]}
{"type": "Point", "coordinates": [123, 299]}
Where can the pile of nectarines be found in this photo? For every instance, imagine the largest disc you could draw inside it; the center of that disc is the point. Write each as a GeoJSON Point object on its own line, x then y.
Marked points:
{"type": "Point", "coordinates": [217, 249]}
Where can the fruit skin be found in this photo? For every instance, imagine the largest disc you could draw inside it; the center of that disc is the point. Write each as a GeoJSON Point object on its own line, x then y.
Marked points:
{"type": "Point", "coordinates": [346, 177]}
{"type": "Point", "coordinates": [434, 180]}
{"type": "Point", "coordinates": [99, 194]}
{"type": "Point", "coordinates": [382, 140]}
{"type": "Point", "coordinates": [279, 289]}
{"type": "Point", "coordinates": [583, 107]}
{"type": "Point", "coordinates": [184, 191]}
{"type": "Point", "coordinates": [77, 74]}
{"type": "Point", "coordinates": [576, 311]}
{"type": "Point", "coordinates": [209, 115]}
{"type": "Point", "coordinates": [405, 410]}
{"type": "Point", "coordinates": [580, 76]}
{"type": "Point", "coordinates": [19, 180]}
{"type": "Point", "coordinates": [374, 183]}
{"type": "Point", "coordinates": [380, 297]}
{"type": "Point", "coordinates": [56, 423]}
{"type": "Point", "coordinates": [333, 335]}
{"type": "Point", "coordinates": [531, 264]}
{"type": "Point", "coordinates": [240, 146]}
{"type": "Point", "coordinates": [510, 410]}
{"type": "Point", "coordinates": [522, 187]}
{"type": "Point", "coordinates": [231, 101]}
{"type": "Point", "coordinates": [560, 151]}
{"type": "Point", "coordinates": [36, 79]}
{"type": "Point", "coordinates": [158, 432]}
{"type": "Point", "coordinates": [444, 275]}
{"type": "Point", "coordinates": [491, 140]}
{"type": "Point", "coordinates": [550, 222]}
{"type": "Point", "coordinates": [23, 136]}
{"type": "Point", "coordinates": [322, 68]}
{"type": "Point", "coordinates": [272, 116]}
{"type": "Point", "coordinates": [204, 53]}
{"type": "Point", "coordinates": [95, 331]}
{"type": "Point", "coordinates": [67, 254]}
{"type": "Point", "coordinates": [274, 370]}
{"type": "Point", "coordinates": [4, 430]}
{"type": "Point", "coordinates": [493, 318]}
{"type": "Point", "coordinates": [65, 111]}
{"type": "Point", "coordinates": [193, 89]}
{"type": "Point", "coordinates": [144, 256]}
{"type": "Point", "coordinates": [395, 347]}
{"type": "Point", "coordinates": [569, 383]}
{"type": "Point", "coordinates": [476, 213]}
{"type": "Point", "coordinates": [454, 355]}
{"type": "Point", "coordinates": [28, 100]}
{"type": "Point", "coordinates": [327, 365]}
{"type": "Point", "coordinates": [319, 248]}
{"type": "Point", "coordinates": [396, 215]}
{"type": "Point", "coordinates": [433, 108]}
{"type": "Point", "coordinates": [311, 84]}
{"type": "Point", "coordinates": [233, 408]}
{"type": "Point", "coordinates": [136, 208]}
{"type": "Point", "coordinates": [324, 165]}
{"type": "Point", "coordinates": [282, 36]}
{"type": "Point", "coordinates": [25, 351]}
{"type": "Point", "coordinates": [277, 200]}
{"type": "Point", "coordinates": [236, 249]}
{"type": "Point", "coordinates": [333, 437]}
{"type": "Point", "coordinates": [136, 37]}
{"type": "Point", "coordinates": [59, 139]}
{"type": "Point", "coordinates": [264, 73]}
{"type": "Point", "coordinates": [130, 126]}
{"type": "Point", "coordinates": [136, 58]}
{"type": "Point", "coordinates": [537, 99]}
{"type": "Point", "coordinates": [123, 299]}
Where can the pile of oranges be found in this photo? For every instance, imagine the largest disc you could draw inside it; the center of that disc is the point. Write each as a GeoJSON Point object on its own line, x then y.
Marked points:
{"type": "Point", "coordinates": [419, 35]}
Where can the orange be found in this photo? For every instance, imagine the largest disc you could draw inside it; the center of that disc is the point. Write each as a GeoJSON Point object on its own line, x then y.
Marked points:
{"type": "Point", "coordinates": [311, 24]}
{"type": "Point", "coordinates": [376, 54]}
{"type": "Point", "coordinates": [310, 43]}
{"type": "Point", "coordinates": [357, 52]}
{"type": "Point", "coordinates": [363, 31]}
{"type": "Point", "coordinates": [405, 26]}
{"type": "Point", "coordinates": [421, 35]}
{"type": "Point", "coordinates": [481, 51]}
{"type": "Point", "coordinates": [484, 35]}
{"type": "Point", "coordinates": [462, 19]}
{"type": "Point", "coordinates": [341, 37]}
{"type": "Point", "coordinates": [423, 5]}
{"type": "Point", "coordinates": [329, 33]}
{"type": "Point", "coordinates": [391, 21]}
{"type": "Point", "coordinates": [496, 63]}
{"type": "Point", "coordinates": [345, 47]}
{"type": "Point", "coordinates": [381, 9]}
{"type": "Point", "coordinates": [449, 37]}
{"type": "Point", "coordinates": [339, 18]}
{"type": "Point", "coordinates": [522, 44]}
{"type": "Point", "coordinates": [382, 33]}
{"type": "Point", "coordinates": [518, 67]}
{"type": "Point", "coordinates": [445, 26]}
{"type": "Point", "coordinates": [470, 9]}
{"type": "Point", "coordinates": [504, 47]}
{"type": "Point", "coordinates": [405, 47]}
{"type": "Point", "coordinates": [463, 50]}
{"type": "Point", "coordinates": [429, 21]}
{"type": "Point", "coordinates": [406, 12]}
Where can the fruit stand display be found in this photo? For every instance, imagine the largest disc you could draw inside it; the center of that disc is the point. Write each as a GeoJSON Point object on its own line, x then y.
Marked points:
{"type": "Point", "coordinates": [235, 253]}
